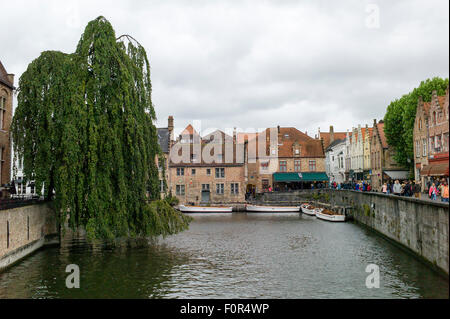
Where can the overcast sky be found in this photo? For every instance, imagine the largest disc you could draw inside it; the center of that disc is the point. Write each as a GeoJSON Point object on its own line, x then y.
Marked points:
{"type": "Point", "coordinates": [254, 64]}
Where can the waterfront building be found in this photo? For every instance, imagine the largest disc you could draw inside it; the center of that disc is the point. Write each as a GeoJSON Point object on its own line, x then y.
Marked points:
{"type": "Point", "coordinates": [367, 167]}
{"type": "Point", "coordinates": [357, 154]}
{"type": "Point", "coordinates": [431, 139]}
{"type": "Point", "coordinates": [6, 103]}
{"type": "Point", "coordinates": [383, 166]}
{"type": "Point", "coordinates": [292, 160]}
{"type": "Point", "coordinates": [208, 170]}
{"type": "Point", "coordinates": [335, 160]}
{"type": "Point", "coordinates": [329, 137]}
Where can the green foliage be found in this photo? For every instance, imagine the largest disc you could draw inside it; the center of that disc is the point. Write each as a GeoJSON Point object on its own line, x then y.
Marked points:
{"type": "Point", "coordinates": [84, 127]}
{"type": "Point", "coordinates": [400, 117]}
{"type": "Point", "coordinates": [172, 200]}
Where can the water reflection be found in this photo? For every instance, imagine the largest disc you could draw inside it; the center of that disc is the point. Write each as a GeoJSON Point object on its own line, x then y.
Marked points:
{"type": "Point", "coordinates": [231, 256]}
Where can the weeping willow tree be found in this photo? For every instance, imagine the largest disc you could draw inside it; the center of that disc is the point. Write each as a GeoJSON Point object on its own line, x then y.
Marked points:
{"type": "Point", "coordinates": [84, 130]}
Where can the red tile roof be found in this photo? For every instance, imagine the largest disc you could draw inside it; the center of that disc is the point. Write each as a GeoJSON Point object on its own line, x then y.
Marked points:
{"type": "Point", "coordinates": [326, 136]}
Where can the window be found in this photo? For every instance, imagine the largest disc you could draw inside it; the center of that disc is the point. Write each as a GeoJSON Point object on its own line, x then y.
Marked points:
{"type": "Point", "coordinates": [312, 165]}
{"type": "Point", "coordinates": [220, 172]}
{"type": "Point", "coordinates": [283, 166]}
{"type": "Point", "coordinates": [161, 186]}
{"type": "Point", "coordinates": [180, 171]}
{"type": "Point", "coordinates": [193, 172]}
{"type": "Point", "coordinates": [2, 112]}
{"type": "Point", "coordinates": [434, 118]}
{"type": "Point", "coordinates": [220, 189]}
{"type": "Point", "coordinates": [297, 166]}
{"type": "Point", "coordinates": [32, 188]}
{"type": "Point", "coordinates": [265, 183]}
{"type": "Point", "coordinates": [417, 148]}
{"type": "Point", "coordinates": [208, 172]}
{"type": "Point", "coordinates": [297, 152]}
{"type": "Point", "coordinates": [424, 146]}
{"type": "Point", "coordinates": [234, 188]}
{"type": "Point", "coordinates": [180, 189]}
{"type": "Point", "coordinates": [205, 187]}
{"type": "Point", "coordinates": [420, 124]}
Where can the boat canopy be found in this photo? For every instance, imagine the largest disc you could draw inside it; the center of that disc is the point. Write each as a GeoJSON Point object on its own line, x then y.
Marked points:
{"type": "Point", "coordinates": [300, 177]}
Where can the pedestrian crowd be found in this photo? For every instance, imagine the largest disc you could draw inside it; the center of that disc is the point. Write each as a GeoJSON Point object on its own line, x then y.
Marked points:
{"type": "Point", "coordinates": [405, 188]}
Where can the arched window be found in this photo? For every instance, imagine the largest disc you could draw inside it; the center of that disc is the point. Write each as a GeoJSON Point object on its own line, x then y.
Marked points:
{"type": "Point", "coordinates": [434, 118]}
{"type": "Point", "coordinates": [420, 124]}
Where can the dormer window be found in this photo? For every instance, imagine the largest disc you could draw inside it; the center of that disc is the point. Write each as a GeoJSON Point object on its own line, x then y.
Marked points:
{"type": "Point", "coordinates": [286, 135]}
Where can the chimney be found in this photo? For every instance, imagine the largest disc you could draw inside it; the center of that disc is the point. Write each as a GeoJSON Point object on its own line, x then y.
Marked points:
{"type": "Point", "coordinates": [331, 134]}
{"type": "Point", "coordinates": [170, 128]}
{"type": "Point", "coordinates": [278, 129]}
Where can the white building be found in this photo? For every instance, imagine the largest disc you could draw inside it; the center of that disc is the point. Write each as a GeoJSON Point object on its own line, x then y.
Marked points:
{"type": "Point", "coordinates": [357, 153]}
{"type": "Point", "coordinates": [23, 190]}
{"type": "Point", "coordinates": [335, 160]}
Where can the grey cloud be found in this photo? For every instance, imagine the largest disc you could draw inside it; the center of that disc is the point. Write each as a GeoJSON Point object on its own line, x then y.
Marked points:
{"type": "Point", "coordinates": [255, 63]}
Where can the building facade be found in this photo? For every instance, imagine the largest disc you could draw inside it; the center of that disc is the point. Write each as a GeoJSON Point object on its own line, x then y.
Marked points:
{"type": "Point", "coordinates": [335, 161]}
{"type": "Point", "coordinates": [431, 139]}
{"type": "Point", "coordinates": [383, 166]}
{"type": "Point", "coordinates": [202, 172]}
{"type": "Point", "coordinates": [6, 108]}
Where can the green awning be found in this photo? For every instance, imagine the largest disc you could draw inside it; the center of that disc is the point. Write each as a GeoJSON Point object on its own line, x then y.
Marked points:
{"type": "Point", "coordinates": [300, 177]}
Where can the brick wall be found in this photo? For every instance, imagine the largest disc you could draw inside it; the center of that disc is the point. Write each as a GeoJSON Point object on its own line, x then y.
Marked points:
{"type": "Point", "coordinates": [24, 228]}
{"type": "Point", "coordinates": [5, 140]}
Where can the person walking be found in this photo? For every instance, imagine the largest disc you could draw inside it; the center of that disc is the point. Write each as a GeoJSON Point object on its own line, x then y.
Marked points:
{"type": "Point", "coordinates": [384, 189]}
{"type": "Point", "coordinates": [416, 189]}
{"type": "Point", "coordinates": [397, 188]}
{"type": "Point", "coordinates": [444, 194]}
{"type": "Point", "coordinates": [433, 191]}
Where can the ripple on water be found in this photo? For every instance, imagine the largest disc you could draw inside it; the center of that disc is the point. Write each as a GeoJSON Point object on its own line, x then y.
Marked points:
{"type": "Point", "coordinates": [231, 256]}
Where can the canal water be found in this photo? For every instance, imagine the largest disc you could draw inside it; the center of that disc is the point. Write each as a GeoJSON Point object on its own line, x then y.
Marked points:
{"type": "Point", "coordinates": [231, 256]}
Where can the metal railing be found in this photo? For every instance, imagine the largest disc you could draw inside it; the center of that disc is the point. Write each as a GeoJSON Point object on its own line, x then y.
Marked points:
{"type": "Point", "coordinates": [9, 203]}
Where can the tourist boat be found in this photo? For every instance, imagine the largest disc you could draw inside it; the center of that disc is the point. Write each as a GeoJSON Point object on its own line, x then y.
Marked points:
{"type": "Point", "coordinates": [331, 216]}
{"type": "Point", "coordinates": [277, 209]}
{"type": "Point", "coordinates": [205, 209]}
{"type": "Point", "coordinates": [309, 209]}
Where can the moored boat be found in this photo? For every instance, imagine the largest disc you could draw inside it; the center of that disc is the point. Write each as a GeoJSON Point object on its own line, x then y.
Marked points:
{"type": "Point", "coordinates": [205, 209]}
{"type": "Point", "coordinates": [331, 216]}
{"type": "Point", "coordinates": [277, 209]}
{"type": "Point", "coordinates": [309, 209]}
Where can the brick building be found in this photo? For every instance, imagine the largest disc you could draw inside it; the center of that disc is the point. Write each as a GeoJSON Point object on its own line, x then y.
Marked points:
{"type": "Point", "coordinates": [291, 160]}
{"type": "Point", "coordinates": [6, 109]}
{"type": "Point", "coordinates": [207, 170]}
{"type": "Point", "coordinates": [383, 166]}
{"type": "Point", "coordinates": [431, 139]}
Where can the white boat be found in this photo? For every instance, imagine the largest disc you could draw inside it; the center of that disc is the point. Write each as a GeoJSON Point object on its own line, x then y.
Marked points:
{"type": "Point", "coordinates": [278, 209]}
{"type": "Point", "coordinates": [310, 210]}
{"type": "Point", "coordinates": [331, 216]}
{"type": "Point", "coordinates": [205, 209]}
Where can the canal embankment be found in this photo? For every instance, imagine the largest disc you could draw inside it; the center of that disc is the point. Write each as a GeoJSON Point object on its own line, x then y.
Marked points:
{"type": "Point", "coordinates": [419, 226]}
{"type": "Point", "coordinates": [23, 230]}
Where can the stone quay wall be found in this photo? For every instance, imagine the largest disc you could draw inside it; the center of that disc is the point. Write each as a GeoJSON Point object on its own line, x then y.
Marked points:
{"type": "Point", "coordinates": [25, 229]}
{"type": "Point", "coordinates": [419, 226]}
